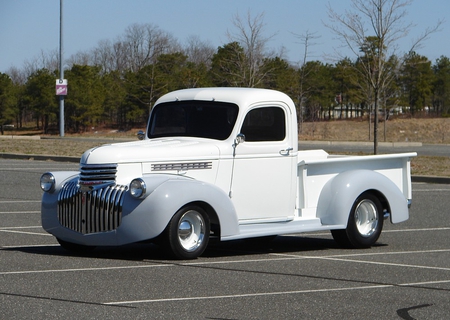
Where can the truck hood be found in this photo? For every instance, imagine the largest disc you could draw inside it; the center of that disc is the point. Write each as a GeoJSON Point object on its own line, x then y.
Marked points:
{"type": "Point", "coordinates": [152, 150]}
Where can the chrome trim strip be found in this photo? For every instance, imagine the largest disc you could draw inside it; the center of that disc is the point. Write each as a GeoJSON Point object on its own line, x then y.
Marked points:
{"type": "Point", "coordinates": [181, 166]}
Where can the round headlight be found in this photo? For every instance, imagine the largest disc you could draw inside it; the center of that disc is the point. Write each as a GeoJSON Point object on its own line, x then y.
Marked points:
{"type": "Point", "coordinates": [47, 182]}
{"type": "Point", "coordinates": [137, 188]}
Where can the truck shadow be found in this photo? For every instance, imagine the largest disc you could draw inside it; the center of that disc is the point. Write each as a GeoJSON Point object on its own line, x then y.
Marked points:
{"type": "Point", "coordinates": [279, 245]}
{"type": "Point", "coordinates": [152, 252]}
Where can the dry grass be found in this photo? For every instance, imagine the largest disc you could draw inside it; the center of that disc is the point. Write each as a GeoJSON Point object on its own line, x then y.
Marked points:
{"type": "Point", "coordinates": [427, 130]}
{"type": "Point", "coordinates": [56, 147]}
{"type": "Point", "coordinates": [398, 130]}
{"type": "Point", "coordinates": [431, 166]}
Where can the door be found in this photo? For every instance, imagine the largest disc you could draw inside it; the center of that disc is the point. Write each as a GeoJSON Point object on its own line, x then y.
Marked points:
{"type": "Point", "coordinates": [263, 184]}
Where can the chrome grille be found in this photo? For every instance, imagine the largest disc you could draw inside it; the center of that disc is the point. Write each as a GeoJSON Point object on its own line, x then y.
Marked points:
{"type": "Point", "coordinates": [97, 173]}
{"type": "Point", "coordinates": [89, 212]}
{"type": "Point", "coordinates": [181, 166]}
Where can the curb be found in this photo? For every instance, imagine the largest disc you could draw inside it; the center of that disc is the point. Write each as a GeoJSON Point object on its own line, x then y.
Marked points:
{"type": "Point", "coordinates": [18, 137]}
{"type": "Point", "coordinates": [39, 157]}
{"type": "Point", "coordinates": [431, 179]}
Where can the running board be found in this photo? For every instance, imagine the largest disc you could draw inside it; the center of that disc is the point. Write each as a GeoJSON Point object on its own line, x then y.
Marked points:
{"type": "Point", "coordinates": [279, 228]}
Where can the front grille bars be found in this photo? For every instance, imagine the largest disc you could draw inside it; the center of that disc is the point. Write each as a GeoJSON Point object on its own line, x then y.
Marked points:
{"type": "Point", "coordinates": [90, 212]}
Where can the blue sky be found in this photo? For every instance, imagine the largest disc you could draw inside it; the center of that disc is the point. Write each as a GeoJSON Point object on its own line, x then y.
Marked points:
{"type": "Point", "coordinates": [29, 27]}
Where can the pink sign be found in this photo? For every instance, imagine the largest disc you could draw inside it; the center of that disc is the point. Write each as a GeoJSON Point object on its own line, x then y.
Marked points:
{"type": "Point", "coordinates": [61, 87]}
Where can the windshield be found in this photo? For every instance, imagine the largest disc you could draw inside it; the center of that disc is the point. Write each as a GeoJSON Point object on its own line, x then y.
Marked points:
{"type": "Point", "coordinates": [202, 119]}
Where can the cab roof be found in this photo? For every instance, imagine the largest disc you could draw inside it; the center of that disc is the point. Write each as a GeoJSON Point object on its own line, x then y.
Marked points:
{"type": "Point", "coordinates": [240, 96]}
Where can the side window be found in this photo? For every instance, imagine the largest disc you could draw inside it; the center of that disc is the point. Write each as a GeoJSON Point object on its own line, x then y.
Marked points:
{"type": "Point", "coordinates": [265, 124]}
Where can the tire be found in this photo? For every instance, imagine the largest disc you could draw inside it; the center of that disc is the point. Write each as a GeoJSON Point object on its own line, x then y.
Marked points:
{"type": "Point", "coordinates": [74, 247]}
{"type": "Point", "coordinates": [188, 233]}
{"type": "Point", "coordinates": [364, 225]}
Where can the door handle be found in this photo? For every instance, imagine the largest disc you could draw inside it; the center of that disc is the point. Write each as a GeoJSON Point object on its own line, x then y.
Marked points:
{"type": "Point", "coordinates": [286, 152]}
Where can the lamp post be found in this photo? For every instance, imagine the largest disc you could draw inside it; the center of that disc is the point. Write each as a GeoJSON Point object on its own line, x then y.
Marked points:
{"type": "Point", "coordinates": [61, 70]}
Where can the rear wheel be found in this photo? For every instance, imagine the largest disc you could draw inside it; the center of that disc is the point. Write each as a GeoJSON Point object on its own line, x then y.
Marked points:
{"type": "Point", "coordinates": [188, 232]}
{"type": "Point", "coordinates": [364, 224]}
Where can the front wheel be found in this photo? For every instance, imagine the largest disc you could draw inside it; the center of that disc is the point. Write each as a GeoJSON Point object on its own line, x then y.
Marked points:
{"type": "Point", "coordinates": [188, 232]}
{"type": "Point", "coordinates": [364, 224]}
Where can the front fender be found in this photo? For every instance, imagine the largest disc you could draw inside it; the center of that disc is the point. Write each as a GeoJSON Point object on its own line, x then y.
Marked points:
{"type": "Point", "coordinates": [339, 194]}
{"type": "Point", "coordinates": [167, 196]}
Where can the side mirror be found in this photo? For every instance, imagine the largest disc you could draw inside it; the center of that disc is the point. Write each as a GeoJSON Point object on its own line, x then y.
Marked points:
{"type": "Point", "coordinates": [141, 135]}
{"type": "Point", "coordinates": [239, 139]}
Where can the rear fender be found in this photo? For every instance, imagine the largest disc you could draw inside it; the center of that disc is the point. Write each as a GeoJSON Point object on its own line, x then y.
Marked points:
{"type": "Point", "coordinates": [339, 194]}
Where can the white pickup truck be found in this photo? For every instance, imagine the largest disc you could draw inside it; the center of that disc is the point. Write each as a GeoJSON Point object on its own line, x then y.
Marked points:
{"type": "Point", "coordinates": [222, 163]}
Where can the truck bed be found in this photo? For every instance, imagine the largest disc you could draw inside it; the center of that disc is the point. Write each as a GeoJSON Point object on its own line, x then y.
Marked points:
{"type": "Point", "coordinates": [317, 167]}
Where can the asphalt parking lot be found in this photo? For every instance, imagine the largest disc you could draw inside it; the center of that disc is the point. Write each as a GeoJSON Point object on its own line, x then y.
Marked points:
{"type": "Point", "coordinates": [307, 276]}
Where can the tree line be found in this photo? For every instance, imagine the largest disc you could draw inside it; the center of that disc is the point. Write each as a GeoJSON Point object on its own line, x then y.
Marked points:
{"type": "Point", "coordinates": [117, 83]}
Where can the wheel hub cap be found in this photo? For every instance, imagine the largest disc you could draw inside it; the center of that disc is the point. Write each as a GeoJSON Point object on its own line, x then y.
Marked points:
{"type": "Point", "coordinates": [191, 230]}
{"type": "Point", "coordinates": [366, 218]}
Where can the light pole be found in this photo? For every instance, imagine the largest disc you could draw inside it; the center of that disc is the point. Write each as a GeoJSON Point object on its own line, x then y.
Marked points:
{"type": "Point", "coordinates": [61, 70]}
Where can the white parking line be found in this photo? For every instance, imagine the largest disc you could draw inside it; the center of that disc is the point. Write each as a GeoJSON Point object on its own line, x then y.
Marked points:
{"type": "Point", "coordinates": [383, 263]}
{"type": "Point", "coordinates": [315, 234]}
{"type": "Point", "coordinates": [346, 258]}
{"type": "Point", "coordinates": [19, 212]}
{"type": "Point", "coordinates": [25, 227]}
{"type": "Point", "coordinates": [279, 257]}
{"type": "Point", "coordinates": [389, 253]}
{"type": "Point", "coordinates": [274, 257]}
{"type": "Point", "coordinates": [20, 201]}
{"type": "Point", "coordinates": [4, 273]}
{"type": "Point", "coordinates": [420, 229]}
{"type": "Point", "coordinates": [247, 295]}
{"type": "Point", "coordinates": [31, 245]}
{"type": "Point", "coordinates": [429, 190]}
{"type": "Point", "coordinates": [14, 230]}
{"type": "Point", "coordinates": [26, 232]}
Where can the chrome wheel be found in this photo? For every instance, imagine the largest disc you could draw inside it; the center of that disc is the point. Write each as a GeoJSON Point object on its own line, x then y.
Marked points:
{"type": "Point", "coordinates": [188, 233]}
{"type": "Point", "coordinates": [191, 230]}
{"type": "Point", "coordinates": [366, 218]}
{"type": "Point", "coordinates": [364, 225]}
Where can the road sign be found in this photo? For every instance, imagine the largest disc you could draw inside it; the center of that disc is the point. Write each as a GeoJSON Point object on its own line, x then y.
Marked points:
{"type": "Point", "coordinates": [61, 87]}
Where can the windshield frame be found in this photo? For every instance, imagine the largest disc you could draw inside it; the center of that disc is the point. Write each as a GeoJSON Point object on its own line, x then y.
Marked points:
{"type": "Point", "coordinates": [193, 118]}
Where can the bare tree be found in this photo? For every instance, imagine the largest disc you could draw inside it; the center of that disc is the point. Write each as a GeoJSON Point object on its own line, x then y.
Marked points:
{"type": "Point", "coordinates": [17, 76]}
{"type": "Point", "coordinates": [139, 46]}
{"type": "Point", "coordinates": [103, 55]}
{"type": "Point", "coordinates": [143, 43]}
{"type": "Point", "coordinates": [249, 35]}
{"type": "Point", "coordinates": [199, 52]}
{"type": "Point", "coordinates": [46, 60]}
{"type": "Point", "coordinates": [371, 31]}
{"type": "Point", "coordinates": [80, 58]}
{"type": "Point", "coordinates": [111, 56]}
{"type": "Point", "coordinates": [303, 88]}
